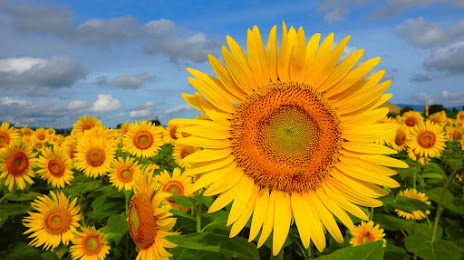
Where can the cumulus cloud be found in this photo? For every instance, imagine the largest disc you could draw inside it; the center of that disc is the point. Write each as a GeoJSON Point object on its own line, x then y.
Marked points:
{"type": "Point", "coordinates": [446, 98]}
{"type": "Point", "coordinates": [395, 7]}
{"type": "Point", "coordinates": [142, 113]}
{"type": "Point", "coordinates": [132, 81]}
{"type": "Point", "coordinates": [423, 34]}
{"type": "Point", "coordinates": [336, 14]}
{"type": "Point", "coordinates": [418, 77]}
{"type": "Point", "coordinates": [78, 104]}
{"type": "Point", "coordinates": [157, 36]}
{"type": "Point", "coordinates": [424, 98]}
{"type": "Point", "coordinates": [337, 10]}
{"type": "Point", "coordinates": [179, 109]}
{"type": "Point", "coordinates": [449, 59]}
{"type": "Point", "coordinates": [57, 72]}
{"type": "Point", "coordinates": [105, 103]}
{"type": "Point", "coordinates": [10, 101]}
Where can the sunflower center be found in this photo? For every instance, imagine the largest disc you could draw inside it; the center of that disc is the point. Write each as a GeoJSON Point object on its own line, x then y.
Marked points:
{"type": "Point", "coordinates": [56, 167]}
{"type": "Point", "coordinates": [410, 122]}
{"type": "Point", "coordinates": [125, 174]}
{"type": "Point", "coordinates": [91, 245]}
{"type": "Point", "coordinates": [368, 237]}
{"type": "Point", "coordinates": [4, 139]}
{"type": "Point", "coordinates": [172, 133]}
{"type": "Point", "coordinates": [95, 156]}
{"type": "Point", "coordinates": [184, 153]}
{"type": "Point", "coordinates": [286, 136]}
{"type": "Point", "coordinates": [143, 139]}
{"type": "Point", "coordinates": [17, 163]}
{"type": "Point", "coordinates": [58, 221]}
{"type": "Point", "coordinates": [400, 138]}
{"type": "Point", "coordinates": [41, 136]}
{"type": "Point", "coordinates": [174, 187]}
{"type": "Point", "coordinates": [87, 126]}
{"type": "Point", "coordinates": [426, 139]}
{"type": "Point", "coordinates": [456, 134]}
{"type": "Point", "coordinates": [142, 223]}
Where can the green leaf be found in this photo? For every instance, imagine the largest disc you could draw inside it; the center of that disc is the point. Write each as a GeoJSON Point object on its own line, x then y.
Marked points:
{"type": "Point", "coordinates": [454, 164]}
{"type": "Point", "coordinates": [372, 250]}
{"type": "Point", "coordinates": [407, 204]}
{"type": "Point", "coordinates": [118, 224]}
{"type": "Point", "coordinates": [15, 209]}
{"type": "Point", "coordinates": [22, 196]}
{"type": "Point", "coordinates": [433, 176]}
{"type": "Point", "coordinates": [435, 193]}
{"type": "Point", "coordinates": [184, 201]}
{"type": "Point", "coordinates": [423, 247]}
{"type": "Point", "coordinates": [433, 167]}
{"type": "Point", "coordinates": [406, 172]}
{"type": "Point", "coordinates": [182, 214]}
{"type": "Point", "coordinates": [235, 247]}
{"type": "Point", "coordinates": [392, 223]}
{"type": "Point", "coordinates": [3, 217]}
{"type": "Point", "coordinates": [395, 252]}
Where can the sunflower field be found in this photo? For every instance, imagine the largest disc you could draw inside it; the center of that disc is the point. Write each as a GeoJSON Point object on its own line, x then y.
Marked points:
{"type": "Point", "coordinates": [292, 156]}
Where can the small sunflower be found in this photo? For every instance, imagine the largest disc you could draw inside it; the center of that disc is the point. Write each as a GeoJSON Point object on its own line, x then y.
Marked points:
{"type": "Point", "coordinates": [40, 134]}
{"type": "Point", "coordinates": [26, 131]}
{"type": "Point", "coordinates": [415, 214]}
{"type": "Point", "coordinates": [7, 134]}
{"type": "Point", "coordinates": [55, 167]}
{"type": "Point", "coordinates": [460, 116]}
{"type": "Point", "coordinates": [454, 133]}
{"type": "Point", "coordinates": [89, 245]}
{"type": "Point", "coordinates": [290, 134]}
{"type": "Point", "coordinates": [39, 145]}
{"type": "Point", "coordinates": [16, 162]}
{"type": "Point", "coordinates": [177, 184]}
{"type": "Point", "coordinates": [399, 142]}
{"type": "Point", "coordinates": [418, 158]}
{"type": "Point", "coordinates": [54, 223]}
{"type": "Point", "coordinates": [123, 173]}
{"type": "Point", "coordinates": [142, 139]}
{"type": "Point", "coordinates": [438, 118]}
{"type": "Point", "coordinates": [95, 152]}
{"type": "Point", "coordinates": [51, 131]}
{"type": "Point", "coordinates": [412, 118]}
{"type": "Point", "coordinates": [171, 136]}
{"type": "Point", "coordinates": [69, 146]}
{"type": "Point", "coordinates": [366, 232]}
{"type": "Point", "coordinates": [427, 140]}
{"type": "Point", "coordinates": [151, 167]}
{"type": "Point", "coordinates": [56, 140]}
{"type": "Point", "coordinates": [150, 221]}
{"type": "Point", "coordinates": [179, 152]}
{"type": "Point", "coordinates": [85, 123]}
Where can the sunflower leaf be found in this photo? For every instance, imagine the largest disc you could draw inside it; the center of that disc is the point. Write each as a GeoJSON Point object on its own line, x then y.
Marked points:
{"type": "Point", "coordinates": [368, 251]}
{"type": "Point", "coordinates": [184, 201]}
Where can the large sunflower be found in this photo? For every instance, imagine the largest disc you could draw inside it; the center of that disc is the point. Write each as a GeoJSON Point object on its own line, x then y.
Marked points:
{"type": "Point", "coordinates": [16, 162]}
{"type": "Point", "coordinates": [290, 136]}
{"type": "Point", "coordinates": [95, 152]}
{"type": "Point", "coordinates": [89, 245]}
{"type": "Point", "coordinates": [54, 223]}
{"type": "Point", "coordinates": [142, 139]}
{"type": "Point", "coordinates": [149, 220]}
{"type": "Point", "coordinates": [428, 140]}
{"type": "Point", "coordinates": [7, 134]}
{"type": "Point", "coordinates": [55, 167]}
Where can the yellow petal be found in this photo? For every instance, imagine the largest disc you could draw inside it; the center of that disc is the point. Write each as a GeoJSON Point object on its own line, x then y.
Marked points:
{"type": "Point", "coordinates": [206, 132]}
{"type": "Point", "coordinates": [364, 118]}
{"type": "Point", "coordinates": [370, 167]}
{"type": "Point", "coordinates": [378, 159]}
{"type": "Point", "coordinates": [271, 52]}
{"type": "Point", "coordinates": [212, 176]}
{"type": "Point", "coordinates": [210, 166]}
{"type": "Point", "coordinates": [342, 69]}
{"type": "Point", "coordinates": [238, 73]}
{"type": "Point", "coordinates": [257, 56]}
{"type": "Point", "coordinates": [297, 57]}
{"type": "Point", "coordinates": [205, 142]}
{"type": "Point", "coordinates": [224, 199]}
{"type": "Point", "coordinates": [301, 219]}
{"type": "Point", "coordinates": [369, 148]}
{"type": "Point", "coordinates": [340, 199]}
{"type": "Point", "coordinates": [225, 183]}
{"type": "Point", "coordinates": [369, 132]}
{"type": "Point", "coordinates": [352, 195]}
{"type": "Point", "coordinates": [325, 216]}
{"type": "Point", "coordinates": [212, 95]}
{"type": "Point", "coordinates": [335, 209]}
{"type": "Point", "coordinates": [207, 155]}
{"type": "Point", "coordinates": [192, 100]}
{"type": "Point", "coordinates": [241, 199]}
{"type": "Point", "coordinates": [245, 216]}
{"type": "Point", "coordinates": [268, 223]}
{"type": "Point", "coordinates": [259, 213]}
{"type": "Point", "coordinates": [282, 218]}
{"type": "Point", "coordinates": [224, 76]}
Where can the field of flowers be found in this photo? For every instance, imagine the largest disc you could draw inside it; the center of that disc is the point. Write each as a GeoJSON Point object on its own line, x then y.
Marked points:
{"type": "Point", "coordinates": [292, 157]}
{"type": "Point", "coordinates": [74, 194]}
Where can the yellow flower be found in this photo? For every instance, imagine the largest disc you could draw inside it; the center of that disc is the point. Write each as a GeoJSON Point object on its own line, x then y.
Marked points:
{"type": "Point", "coordinates": [416, 157]}
{"type": "Point", "coordinates": [39, 145]}
{"type": "Point", "coordinates": [454, 133]}
{"type": "Point", "coordinates": [85, 123]}
{"type": "Point", "coordinates": [151, 167]}
{"type": "Point", "coordinates": [69, 146]}
{"type": "Point", "coordinates": [95, 152]}
{"type": "Point", "coordinates": [366, 232]}
{"type": "Point", "coordinates": [438, 118]}
{"type": "Point", "coordinates": [460, 116]}
{"type": "Point", "coordinates": [290, 136]}
{"type": "Point", "coordinates": [427, 140]}
{"type": "Point", "coordinates": [123, 173]}
{"type": "Point", "coordinates": [16, 162]}
{"type": "Point", "coordinates": [400, 140]}
{"type": "Point", "coordinates": [412, 118]}
{"type": "Point", "coordinates": [7, 134]}
{"type": "Point", "coordinates": [89, 245]}
{"type": "Point", "coordinates": [415, 214]}
{"type": "Point", "coordinates": [51, 131]}
{"type": "Point", "coordinates": [177, 184]}
{"type": "Point", "coordinates": [142, 140]}
{"type": "Point", "coordinates": [179, 152]}
{"type": "Point", "coordinates": [55, 167]}
{"type": "Point", "coordinates": [54, 223]}
{"type": "Point", "coordinates": [41, 134]}
{"type": "Point", "coordinates": [149, 221]}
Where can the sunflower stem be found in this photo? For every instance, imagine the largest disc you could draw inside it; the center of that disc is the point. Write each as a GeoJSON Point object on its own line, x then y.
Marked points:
{"type": "Point", "coordinates": [440, 205]}
{"type": "Point", "coordinates": [199, 218]}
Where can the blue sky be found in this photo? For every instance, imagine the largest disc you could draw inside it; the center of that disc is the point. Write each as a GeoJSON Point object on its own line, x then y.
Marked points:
{"type": "Point", "coordinates": [125, 60]}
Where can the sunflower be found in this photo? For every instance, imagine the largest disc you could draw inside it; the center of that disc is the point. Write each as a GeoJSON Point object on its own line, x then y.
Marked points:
{"type": "Point", "coordinates": [123, 173]}
{"type": "Point", "coordinates": [142, 139]}
{"type": "Point", "coordinates": [39, 145]}
{"type": "Point", "coordinates": [427, 140]}
{"type": "Point", "coordinates": [40, 134]}
{"type": "Point", "coordinates": [415, 214]}
{"type": "Point", "coordinates": [412, 118]}
{"type": "Point", "coordinates": [85, 123]}
{"type": "Point", "coordinates": [7, 134]}
{"type": "Point", "coordinates": [289, 136]}
{"type": "Point", "coordinates": [55, 167]}
{"type": "Point", "coordinates": [416, 157]}
{"type": "Point", "coordinates": [95, 152]}
{"type": "Point", "coordinates": [426, 110]}
{"type": "Point", "coordinates": [366, 232]}
{"type": "Point", "coordinates": [51, 131]}
{"type": "Point", "coordinates": [399, 142]}
{"type": "Point", "coordinates": [56, 140]}
{"type": "Point", "coordinates": [151, 167]}
{"type": "Point", "coordinates": [69, 146]}
{"type": "Point", "coordinates": [89, 245]}
{"type": "Point", "coordinates": [171, 136]}
{"type": "Point", "coordinates": [460, 116]}
{"type": "Point", "coordinates": [179, 152]}
{"type": "Point", "coordinates": [26, 131]}
{"type": "Point", "coordinates": [454, 133]}
{"type": "Point", "coordinates": [16, 162]}
{"type": "Point", "coordinates": [438, 118]}
{"type": "Point", "coordinates": [150, 221]}
{"type": "Point", "coordinates": [177, 184]}
{"type": "Point", "coordinates": [54, 223]}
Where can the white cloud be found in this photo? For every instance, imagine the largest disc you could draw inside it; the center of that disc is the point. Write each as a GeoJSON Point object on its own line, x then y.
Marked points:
{"type": "Point", "coordinates": [423, 34]}
{"type": "Point", "coordinates": [159, 28]}
{"type": "Point", "coordinates": [78, 104]}
{"type": "Point", "coordinates": [395, 7]}
{"type": "Point", "coordinates": [132, 81]}
{"type": "Point", "coordinates": [336, 14]}
{"type": "Point", "coordinates": [19, 65]}
{"type": "Point", "coordinates": [179, 109]}
{"type": "Point", "coordinates": [9, 101]}
{"type": "Point", "coordinates": [446, 98]}
{"type": "Point", "coordinates": [105, 103]}
{"type": "Point", "coordinates": [424, 98]}
{"type": "Point", "coordinates": [142, 113]}
{"type": "Point", "coordinates": [448, 59]}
